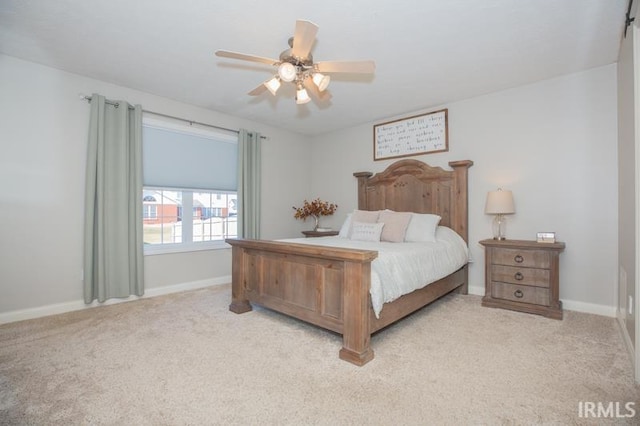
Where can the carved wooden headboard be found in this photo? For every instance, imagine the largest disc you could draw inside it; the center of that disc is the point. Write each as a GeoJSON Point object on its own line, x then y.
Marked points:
{"type": "Point", "coordinates": [414, 186]}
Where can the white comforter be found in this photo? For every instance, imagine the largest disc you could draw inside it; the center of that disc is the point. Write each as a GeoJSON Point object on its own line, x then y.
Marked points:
{"type": "Point", "coordinates": [401, 268]}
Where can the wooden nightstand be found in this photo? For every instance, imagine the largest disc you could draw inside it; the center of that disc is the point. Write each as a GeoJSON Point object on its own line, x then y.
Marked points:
{"type": "Point", "coordinates": [310, 234]}
{"type": "Point", "coordinates": [523, 276]}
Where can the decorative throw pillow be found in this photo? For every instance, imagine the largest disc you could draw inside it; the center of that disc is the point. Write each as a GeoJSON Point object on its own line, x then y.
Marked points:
{"type": "Point", "coordinates": [422, 228]}
{"type": "Point", "coordinates": [366, 231]}
{"type": "Point", "coordinates": [395, 225]}
{"type": "Point", "coordinates": [364, 216]}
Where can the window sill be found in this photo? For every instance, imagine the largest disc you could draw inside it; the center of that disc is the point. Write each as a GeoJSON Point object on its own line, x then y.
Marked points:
{"type": "Point", "coordinates": [151, 250]}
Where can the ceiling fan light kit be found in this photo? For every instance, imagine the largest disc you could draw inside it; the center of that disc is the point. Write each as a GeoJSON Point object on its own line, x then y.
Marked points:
{"type": "Point", "coordinates": [302, 97]}
{"type": "Point", "coordinates": [287, 72]}
{"type": "Point", "coordinates": [273, 85]}
{"type": "Point", "coordinates": [295, 65]}
{"type": "Point", "coordinates": [321, 80]}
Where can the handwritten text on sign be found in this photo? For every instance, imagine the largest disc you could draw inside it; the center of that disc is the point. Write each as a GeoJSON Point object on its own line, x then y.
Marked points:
{"type": "Point", "coordinates": [416, 135]}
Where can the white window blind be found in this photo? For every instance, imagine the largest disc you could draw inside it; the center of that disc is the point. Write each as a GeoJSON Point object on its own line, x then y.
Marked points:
{"type": "Point", "coordinates": [179, 156]}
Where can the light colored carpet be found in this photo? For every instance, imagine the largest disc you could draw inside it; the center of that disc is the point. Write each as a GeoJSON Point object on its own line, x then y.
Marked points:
{"type": "Point", "coordinates": [184, 359]}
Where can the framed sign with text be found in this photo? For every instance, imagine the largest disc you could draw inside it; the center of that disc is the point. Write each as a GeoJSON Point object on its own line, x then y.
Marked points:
{"type": "Point", "coordinates": [416, 135]}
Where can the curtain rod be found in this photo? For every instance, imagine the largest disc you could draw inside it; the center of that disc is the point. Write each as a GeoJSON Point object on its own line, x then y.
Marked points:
{"type": "Point", "coordinates": [191, 122]}
{"type": "Point", "coordinates": [628, 20]}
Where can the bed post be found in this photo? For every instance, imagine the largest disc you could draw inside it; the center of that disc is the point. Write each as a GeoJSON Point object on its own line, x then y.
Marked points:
{"type": "Point", "coordinates": [362, 188]}
{"type": "Point", "coordinates": [460, 218]}
{"type": "Point", "coordinates": [356, 332]}
{"type": "Point", "coordinates": [239, 302]}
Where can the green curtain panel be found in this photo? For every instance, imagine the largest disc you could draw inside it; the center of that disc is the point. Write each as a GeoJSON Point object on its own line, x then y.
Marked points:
{"type": "Point", "coordinates": [249, 174]}
{"type": "Point", "coordinates": [113, 264]}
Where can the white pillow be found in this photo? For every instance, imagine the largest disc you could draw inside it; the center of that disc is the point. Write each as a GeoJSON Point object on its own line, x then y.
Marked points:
{"type": "Point", "coordinates": [344, 230]}
{"type": "Point", "coordinates": [422, 228]}
{"type": "Point", "coordinates": [444, 233]}
{"type": "Point", "coordinates": [366, 231]}
{"type": "Point", "coordinates": [366, 216]}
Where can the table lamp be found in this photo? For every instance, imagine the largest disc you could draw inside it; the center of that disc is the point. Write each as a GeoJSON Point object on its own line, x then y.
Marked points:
{"type": "Point", "coordinates": [499, 203]}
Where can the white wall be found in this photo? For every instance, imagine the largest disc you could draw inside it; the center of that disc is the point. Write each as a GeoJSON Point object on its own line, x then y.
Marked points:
{"type": "Point", "coordinates": [552, 143]}
{"type": "Point", "coordinates": [43, 130]}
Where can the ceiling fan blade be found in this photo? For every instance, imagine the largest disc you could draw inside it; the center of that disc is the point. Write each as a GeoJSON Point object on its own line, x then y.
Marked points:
{"type": "Point", "coordinates": [258, 90]}
{"type": "Point", "coordinates": [245, 57]}
{"type": "Point", "coordinates": [360, 67]}
{"type": "Point", "coordinates": [303, 38]}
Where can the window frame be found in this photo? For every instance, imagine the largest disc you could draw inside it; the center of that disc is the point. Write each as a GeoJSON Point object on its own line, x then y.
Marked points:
{"type": "Point", "coordinates": [186, 202]}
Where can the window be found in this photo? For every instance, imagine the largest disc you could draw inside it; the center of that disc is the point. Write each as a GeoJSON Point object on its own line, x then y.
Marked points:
{"type": "Point", "coordinates": [189, 199]}
{"type": "Point", "coordinates": [149, 211]}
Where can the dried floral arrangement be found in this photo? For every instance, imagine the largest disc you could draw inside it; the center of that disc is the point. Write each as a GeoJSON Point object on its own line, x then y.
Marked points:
{"type": "Point", "coordinates": [315, 209]}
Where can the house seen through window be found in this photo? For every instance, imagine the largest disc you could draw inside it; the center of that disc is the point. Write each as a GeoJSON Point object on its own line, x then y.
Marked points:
{"type": "Point", "coordinates": [213, 216]}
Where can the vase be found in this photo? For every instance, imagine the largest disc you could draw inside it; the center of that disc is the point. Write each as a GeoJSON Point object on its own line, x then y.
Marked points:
{"type": "Point", "coordinates": [317, 219]}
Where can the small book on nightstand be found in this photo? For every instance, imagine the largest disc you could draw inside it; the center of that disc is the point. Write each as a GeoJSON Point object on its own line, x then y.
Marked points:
{"type": "Point", "coordinates": [319, 233]}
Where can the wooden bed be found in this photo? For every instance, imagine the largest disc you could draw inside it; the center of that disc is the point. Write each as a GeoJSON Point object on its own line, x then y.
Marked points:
{"type": "Point", "coordinates": [329, 287]}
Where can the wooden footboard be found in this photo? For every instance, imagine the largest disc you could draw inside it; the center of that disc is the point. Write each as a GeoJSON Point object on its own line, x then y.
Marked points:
{"type": "Point", "coordinates": [325, 286]}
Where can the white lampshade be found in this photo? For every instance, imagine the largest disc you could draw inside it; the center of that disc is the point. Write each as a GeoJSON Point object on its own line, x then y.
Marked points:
{"type": "Point", "coordinates": [499, 202]}
{"type": "Point", "coordinates": [273, 85]}
{"type": "Point", "coordinates": [302, 97]}
{"type": "Point", "coordinates": [321, 80]}
{"type": "Point", "coordinates": [287, 72]}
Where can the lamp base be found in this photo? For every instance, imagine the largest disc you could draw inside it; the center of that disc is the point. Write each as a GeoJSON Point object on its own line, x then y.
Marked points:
{"type": "Point", "coordinates": [499, 227]}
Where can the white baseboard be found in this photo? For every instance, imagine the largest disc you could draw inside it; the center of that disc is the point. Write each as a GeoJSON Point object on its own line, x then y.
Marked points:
{"type": "Point", "coordinates": [60, 308]}
{"type": "Point", "coordinates": [625, 334]}
{"type": "Point", "coordinates": [76, 305]}
{"type": "Point", "coordinates": [569, 305]}
{"type": "Point", "coordinates": [476, 290]}
{"type": "Point", "coordinates": [589, 308]}
{"type": "Point", "coordinates": [193, 285]}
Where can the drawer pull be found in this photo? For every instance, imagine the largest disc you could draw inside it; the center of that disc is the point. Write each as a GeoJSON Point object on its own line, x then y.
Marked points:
{"type": "Point", "coordinates": [518, 259]}
{"type": "Point", "coordinates": [518, 294]}
{"type": "Point", "coordinates": [518, 276]}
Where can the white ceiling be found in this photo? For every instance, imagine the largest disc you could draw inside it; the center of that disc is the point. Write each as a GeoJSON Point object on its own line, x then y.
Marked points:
{"type": "Point", "coordinates": [427, 52]}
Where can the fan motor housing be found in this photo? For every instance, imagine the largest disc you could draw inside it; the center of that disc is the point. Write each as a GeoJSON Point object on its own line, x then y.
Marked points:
{"type": "Point", "coordinates": [286, 56]}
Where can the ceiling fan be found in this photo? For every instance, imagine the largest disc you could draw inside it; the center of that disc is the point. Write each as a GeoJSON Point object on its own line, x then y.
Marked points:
{"type": "Point", "coordinates": [295, 65]}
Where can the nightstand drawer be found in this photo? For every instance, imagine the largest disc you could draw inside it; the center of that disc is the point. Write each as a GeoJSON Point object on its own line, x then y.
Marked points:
{"type": "Point", "coordinates": [526, 258]}
{"type": "Point", "coordinates": [520, 293]}
{"type": "Point", "coordinates": [523, 276]}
